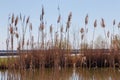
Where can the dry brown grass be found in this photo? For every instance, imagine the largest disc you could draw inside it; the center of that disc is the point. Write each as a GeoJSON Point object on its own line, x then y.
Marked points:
{"type": "Point", "coordinates": [57, 51]}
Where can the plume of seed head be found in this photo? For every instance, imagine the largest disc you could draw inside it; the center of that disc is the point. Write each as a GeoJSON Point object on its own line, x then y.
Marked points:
{"type": "Point", "coordinates": [102, 23]}
{"type": "Point", "coordinates": [43, 11]}
{"type": "Point", "coordinates": [11, 29]}
{"type": "Point", "coordinates": [119, 25]}
{"type": "Point", "coordinates": [86, 19]}
{"type": "Point", "coordinates": [51, 28]}
{"type": "Point", "coordinates": [95, 24]}
{"type": "Point", "coordinates": [69, 19]}
{"type": "Point", "coordinates": [16, 21]}
{"type": "Point", "coordinates": [59, 17]}
{"type": "Point", "coordinates": [82, 30]}
{"type": "Point", "coordinates": [12, 21]}
{"type": "Point", "coordinates": [113, 22]}
{"type": "Point", "coordinates": [42, 26]}
{"type": "Point", "coordinates": [30, 26]}
{"type": "Point", "coordinates": [27, 20]}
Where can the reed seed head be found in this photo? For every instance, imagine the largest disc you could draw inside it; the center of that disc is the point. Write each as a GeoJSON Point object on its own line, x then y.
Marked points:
{"type": "Point", "coordinates": [68, 25]}
{"type": "Point", "coordinates": [95, 24]}
{"type": "Point", "coordinates": [51, 28]}
{"type": "Point", "coordinates": [30, 26]}
{"type": "Point", "coordinates": [27, 20]}
{"type": "Point", "coordinates": [11, 29]}
{"type": "Point", "coordinates": [43, 11]}
{"type": "Point", "coordinates": [113, 22]}
{"type": "Point", "coordinates": [119, 25]}
{"type": "Point", "coordinates": [82, 30]}
{"type": "Point", "coordinates": [42, 26]}
{"type": "Point", "coordinates": [58, 21]}
{"type": "Point", "coordinates": [16, 21]}
{"type": "Point", "coordinates": [102, 23]}
{"type": "Point", "coordinates": [42, 14]}
{"type": "Point", "coordinates": [12, 21]}
{"type": "Point", "coordinates": [86, 19]}
{"type": "Point", "coordinates": [70, 16]}
{"type": "Point", "coordinates": [69, 20]}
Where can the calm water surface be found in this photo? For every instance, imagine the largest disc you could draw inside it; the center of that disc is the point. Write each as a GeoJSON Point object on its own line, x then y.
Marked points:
{"type": "Point", "coordinates": [64, 74]}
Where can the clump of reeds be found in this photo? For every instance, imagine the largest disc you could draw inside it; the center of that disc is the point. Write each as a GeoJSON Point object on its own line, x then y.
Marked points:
{"type": "Point", "coordinates": [57, 54]}
{"type": "Point", "coordinates": [95, 25]}
{"type": "Point", "coordinates": [68, 26]}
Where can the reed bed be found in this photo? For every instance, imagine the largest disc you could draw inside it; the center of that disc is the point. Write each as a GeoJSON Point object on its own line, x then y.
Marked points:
{"type": "Point", "coordinates": [57, 51]}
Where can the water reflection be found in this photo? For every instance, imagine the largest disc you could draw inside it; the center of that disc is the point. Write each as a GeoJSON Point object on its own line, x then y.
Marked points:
{"type": "Point", "coordinates": [64, 74]}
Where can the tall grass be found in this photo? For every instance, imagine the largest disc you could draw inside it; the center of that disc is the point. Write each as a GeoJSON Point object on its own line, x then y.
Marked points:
{"type": "Point", "coordinates": [57, 51]}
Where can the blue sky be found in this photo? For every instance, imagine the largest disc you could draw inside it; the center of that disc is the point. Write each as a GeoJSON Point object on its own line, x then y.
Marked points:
{"type": "Point", "coordinates": [96, 9]}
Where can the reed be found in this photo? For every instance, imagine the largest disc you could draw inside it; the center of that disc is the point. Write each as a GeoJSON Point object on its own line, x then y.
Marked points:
{"type": "Point", "coordinates": [57, 51]}
{"type": "Point", "coordinates": [95, 25]}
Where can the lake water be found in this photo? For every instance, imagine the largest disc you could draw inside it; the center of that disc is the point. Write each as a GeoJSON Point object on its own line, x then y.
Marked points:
{"type": "Point", "coordinates": [64, 74]}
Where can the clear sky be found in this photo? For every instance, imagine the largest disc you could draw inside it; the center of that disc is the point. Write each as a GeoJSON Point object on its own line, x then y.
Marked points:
{"type": "Point", "coordinates": [96, 9]}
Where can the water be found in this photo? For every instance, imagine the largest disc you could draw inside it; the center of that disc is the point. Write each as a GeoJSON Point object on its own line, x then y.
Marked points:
{"type": "Point", "coordinates": [64, 74]}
